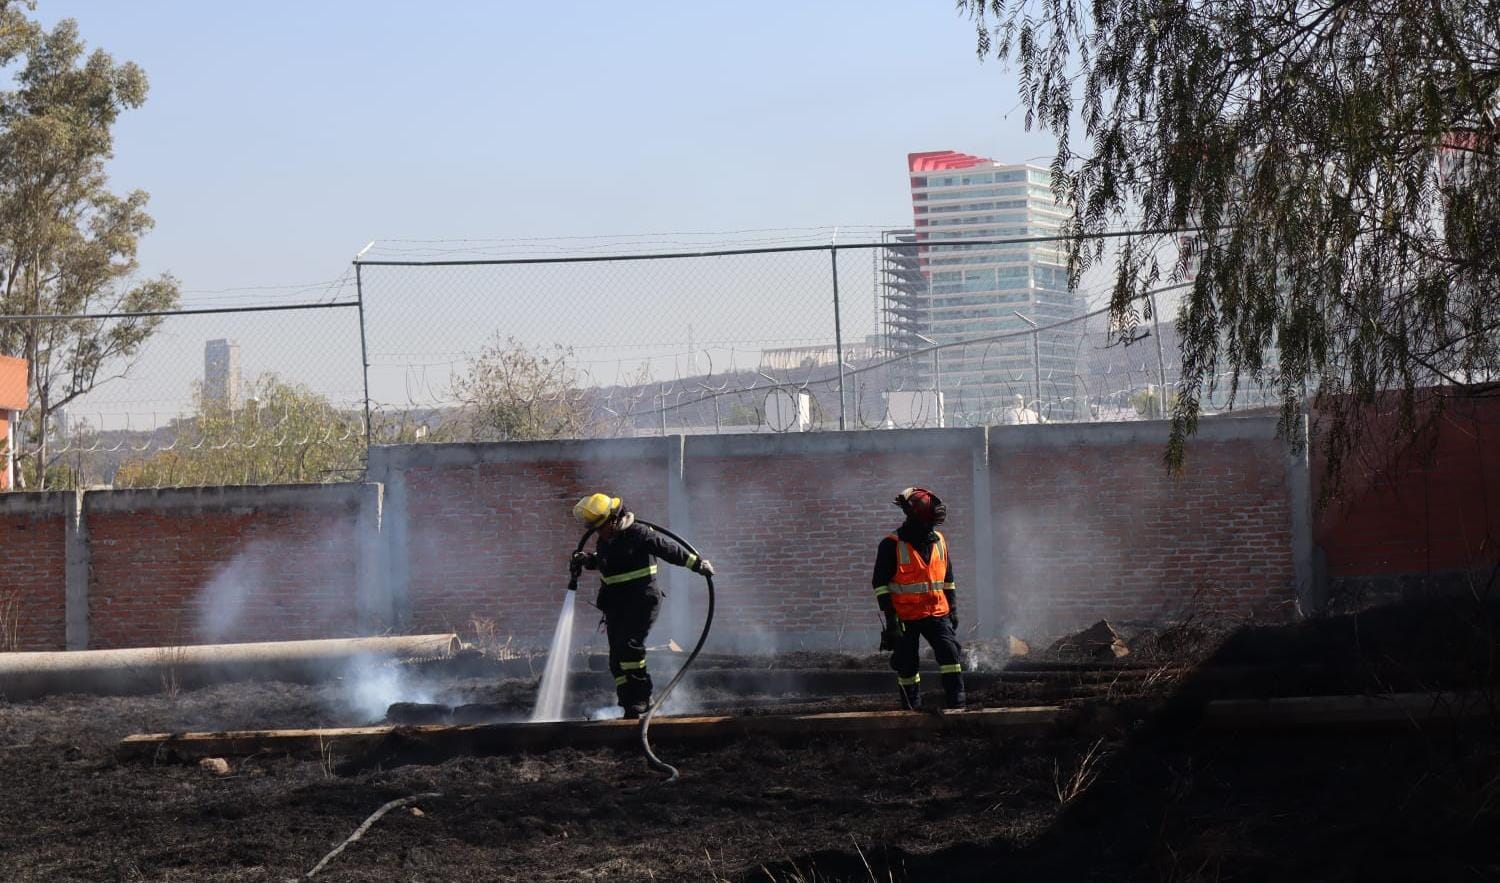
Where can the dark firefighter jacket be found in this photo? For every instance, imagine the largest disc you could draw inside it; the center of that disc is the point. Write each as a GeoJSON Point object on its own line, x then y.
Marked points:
{"type": "Point", "coordinates": [625, 560]}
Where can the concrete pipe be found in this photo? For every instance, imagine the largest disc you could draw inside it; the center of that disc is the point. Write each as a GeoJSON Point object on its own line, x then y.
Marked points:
{"type": "Point", "coordinates": [152, 669]}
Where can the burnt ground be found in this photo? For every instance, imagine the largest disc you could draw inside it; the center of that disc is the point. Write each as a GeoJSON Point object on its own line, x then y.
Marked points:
{"type": "Point", "coordinates": [1157, 798]}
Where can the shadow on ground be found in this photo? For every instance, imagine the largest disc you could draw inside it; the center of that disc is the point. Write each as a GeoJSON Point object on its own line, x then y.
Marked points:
{"type": "Point", "coordinates": [1163, 799]}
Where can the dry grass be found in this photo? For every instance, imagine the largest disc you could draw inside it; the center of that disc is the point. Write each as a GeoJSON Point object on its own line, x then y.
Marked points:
{"type": "Point", "coordinates": [485, 633]}
{"type": "Point", "coordinates": [1074, 785]}
{"type": "Point", "coordinates": [325, 757]}
{"type": "Point", "coordinates": [1200, 625]}
{"type": "Point", "coordinates": [791, 872]}
{"type": "Point", "coordinates": [10, 620]}
{"type": "Point", "coordinates": [170, 660]}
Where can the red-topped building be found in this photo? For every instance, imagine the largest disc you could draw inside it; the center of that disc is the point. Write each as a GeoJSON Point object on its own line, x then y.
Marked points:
{"type": "Point", "coordinates": [977, 259]}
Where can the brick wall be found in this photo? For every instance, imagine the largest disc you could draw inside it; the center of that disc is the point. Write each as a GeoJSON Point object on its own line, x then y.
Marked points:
{"type": "Point", "coordinates": [180, 567]}
{"type": "Point", "coordinates": [1050, 527]}
{"type": "Point", "coordinates": [1081, 522]}
{"type": "Point", "coordinates": [490, 541]}
{"type": "Point", "coordinates": [107, 569]}
{"type": "Point", "coordinates": [793, 534]}
{"type": "Point", "coordinates": [32, 570]}
{"type": "Point", "coordinates": [1088, 532]}
{"type": "Point", "coordinates": [1417, 503]}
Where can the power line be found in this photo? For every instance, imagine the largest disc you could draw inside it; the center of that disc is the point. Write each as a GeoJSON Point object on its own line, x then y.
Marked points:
{"type": "Point", "coordinates": [209, 311]}
{"type": "Point", "coordinates": [714, 253]}
{"type": "Point", "coordinates": [305, 286]}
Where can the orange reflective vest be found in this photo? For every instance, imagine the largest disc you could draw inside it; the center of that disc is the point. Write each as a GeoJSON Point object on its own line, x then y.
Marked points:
{"type": "Point", "coordinates": [917, 588]}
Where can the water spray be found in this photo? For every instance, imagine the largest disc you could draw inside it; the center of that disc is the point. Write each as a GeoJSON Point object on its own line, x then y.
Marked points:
{"type": "Point", "coordinates": [554, 689]}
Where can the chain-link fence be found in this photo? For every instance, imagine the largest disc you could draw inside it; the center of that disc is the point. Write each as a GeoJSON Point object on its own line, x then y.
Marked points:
{"type": "Point", "coordinates": [208, 395]}
{"type": "Point", "coordinates": [416, 344]}
{"type": "Point", "coordinates": [890, 333]}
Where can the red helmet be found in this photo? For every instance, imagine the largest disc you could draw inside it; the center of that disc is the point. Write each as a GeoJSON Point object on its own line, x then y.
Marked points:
{"type": "Point", "coordinates": [922, 505]}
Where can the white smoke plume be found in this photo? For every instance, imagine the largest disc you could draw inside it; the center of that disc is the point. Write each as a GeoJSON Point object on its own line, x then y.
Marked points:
{"type": "Point", "coordinates": [222, 602]}
{"type": "Point", "coordinates": [372, 686]}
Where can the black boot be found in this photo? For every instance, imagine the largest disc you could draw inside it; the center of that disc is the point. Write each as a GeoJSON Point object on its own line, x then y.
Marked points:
{"type": "Point", "coordinates": [953, 692]}
{"type": "Point", "coordinates": [911, 696]}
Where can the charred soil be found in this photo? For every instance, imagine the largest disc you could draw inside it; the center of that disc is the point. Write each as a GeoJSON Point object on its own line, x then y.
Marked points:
{"type": "Point", "coordinates": [1147, 795]}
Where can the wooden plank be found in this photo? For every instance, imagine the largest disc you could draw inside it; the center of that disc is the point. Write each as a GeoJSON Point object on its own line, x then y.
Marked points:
{"type": "Point", "coordinates": [514, 737]}
{"type": "Point", "coordinates": [1313, 711]}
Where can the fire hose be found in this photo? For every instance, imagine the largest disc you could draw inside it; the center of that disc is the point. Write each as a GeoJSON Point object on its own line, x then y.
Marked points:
{"type": "Point", "coordinates": [708, 620]}
{"type": "Point", "coordinates": [655, 762]}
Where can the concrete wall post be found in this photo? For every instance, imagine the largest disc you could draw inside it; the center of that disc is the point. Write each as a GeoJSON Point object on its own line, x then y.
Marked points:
{"type": "Point", "coordinates": [387, 468]}
{"type": "Point", "coordinates": [1309, 590]}
{"type": "Point", "coordinates": [983, 603]}
{"type": "Point", "coordinates": [76, 566]}
{"type": "Point", "coordinates": [372, 601]}
{"type": "Point", "coordinates": [679, 518]}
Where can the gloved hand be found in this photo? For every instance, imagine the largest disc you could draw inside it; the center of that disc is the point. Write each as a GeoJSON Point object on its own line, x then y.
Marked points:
{"type": "Point", "coordinates": [584, 561]}
{"type": "Point", "coordinates": [704, 566]}
{"type": "Point", "coordinates": [891, 633]}
{"type": "Point", "coordinates": [953, 618]}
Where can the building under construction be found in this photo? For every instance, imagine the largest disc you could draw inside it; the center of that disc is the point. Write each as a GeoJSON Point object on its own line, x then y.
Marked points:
{"type": "Point", "coordinates": [951, 279]}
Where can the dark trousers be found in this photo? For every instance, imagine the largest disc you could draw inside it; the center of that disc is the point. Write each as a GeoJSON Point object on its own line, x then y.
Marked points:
{"type": "Point", "coordinates": [628, 617]}
{"type": "Point", "coordinates": [938, 631]}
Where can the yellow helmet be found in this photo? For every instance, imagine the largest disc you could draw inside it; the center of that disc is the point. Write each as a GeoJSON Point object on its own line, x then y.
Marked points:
{"type": "Point", "coordinates": [595, 509]}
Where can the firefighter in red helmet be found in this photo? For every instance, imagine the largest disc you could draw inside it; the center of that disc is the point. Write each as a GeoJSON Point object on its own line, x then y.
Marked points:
{"type": "Point", "coordinates": [914, 586]}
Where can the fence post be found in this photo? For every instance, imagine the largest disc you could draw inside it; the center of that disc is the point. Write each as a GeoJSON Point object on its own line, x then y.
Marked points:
{"type": "Point", "coordinates": [1161, 362]}
{"type": "Point", "coordinates": [1036, 360]}
{"type": "Point", "coordinates": [838, 331]}
{"type": "Point", "coordinates": [987, 613]}
{"type": "Point", "coordinates": [364, 352]}
{"type": "Point", "coordinates": [1036, 369]}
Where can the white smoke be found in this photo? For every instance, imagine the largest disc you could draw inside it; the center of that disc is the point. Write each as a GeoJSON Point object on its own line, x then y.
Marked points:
{"type": "Point", "coordinates": [371, 687]}
{"type": "Point", "coordinates": [682, 700]}
{"type": "Point", "coordinates": [221, 603]}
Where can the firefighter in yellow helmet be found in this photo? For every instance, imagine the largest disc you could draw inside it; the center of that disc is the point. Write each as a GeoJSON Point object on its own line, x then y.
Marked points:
{"type": "Point", "coordinates": [914, 586]}
{"type": "Point", "coordinates": [625, 555]}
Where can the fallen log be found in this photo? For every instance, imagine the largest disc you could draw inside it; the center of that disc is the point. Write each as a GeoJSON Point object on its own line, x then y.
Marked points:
{"type": "Point", "coordinates": [448, 740]}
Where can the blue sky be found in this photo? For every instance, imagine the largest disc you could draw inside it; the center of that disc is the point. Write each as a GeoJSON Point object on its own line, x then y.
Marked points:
{"type": "Point", "coordinates": [279, 137]}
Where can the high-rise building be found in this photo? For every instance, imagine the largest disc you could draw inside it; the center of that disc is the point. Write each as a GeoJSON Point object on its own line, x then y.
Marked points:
{"type": "Point", "coordinates": [941, 287]}
{"type": "Point", "coordinates": [903, 294]}
{"type": "Point", "coordinates": [221, 373]}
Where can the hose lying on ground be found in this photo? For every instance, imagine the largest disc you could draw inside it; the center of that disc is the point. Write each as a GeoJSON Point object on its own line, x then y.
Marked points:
{"type": "Point", "coordinates": [651, 758]}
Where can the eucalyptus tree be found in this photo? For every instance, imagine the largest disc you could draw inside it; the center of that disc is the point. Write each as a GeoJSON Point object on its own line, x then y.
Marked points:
{"type": "Point", "coordinates": [67, 244]}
